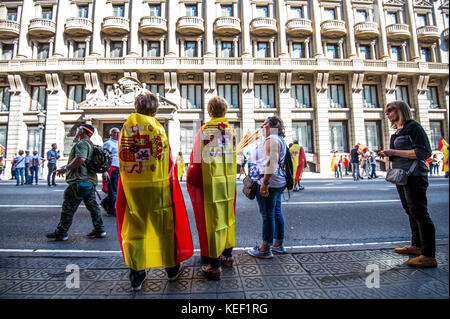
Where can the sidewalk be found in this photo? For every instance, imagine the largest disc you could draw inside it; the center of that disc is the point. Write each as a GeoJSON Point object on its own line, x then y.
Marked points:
{"type": "Point", "coordinates": [333, 273]}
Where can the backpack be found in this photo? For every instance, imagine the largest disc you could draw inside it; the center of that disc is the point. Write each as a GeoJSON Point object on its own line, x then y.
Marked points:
{"type": "Point", "coordinates": [101, 160]}
{"type": "Point", "coordinates": [288, 168]}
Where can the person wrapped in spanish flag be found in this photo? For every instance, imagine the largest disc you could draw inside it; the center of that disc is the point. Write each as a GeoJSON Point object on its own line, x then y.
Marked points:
{"type": "Point", "coordinates": [152, 223]}
{"type": "Point", "coordinates": [299, 160]}
{"type": "Point", "coordinates": [211, 182]}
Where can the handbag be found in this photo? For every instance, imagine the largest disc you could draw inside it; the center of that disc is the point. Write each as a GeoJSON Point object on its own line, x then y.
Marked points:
{"type": "Point", "coordinates": [250, 187]}
{"type": "Point", "coordinates": [399, 176]}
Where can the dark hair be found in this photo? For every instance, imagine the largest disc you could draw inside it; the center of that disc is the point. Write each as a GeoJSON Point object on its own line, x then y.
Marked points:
{"type": "Point", "coordinates": [146, 104]}
{"type": "Point", "coordinates": [20, 152]}
{"type": "Point", "coordinates": [276, 122]}
{"type": "Point", "coordinates": [295, 142]}
{"type": "Point", "coordinates": [53, 144]}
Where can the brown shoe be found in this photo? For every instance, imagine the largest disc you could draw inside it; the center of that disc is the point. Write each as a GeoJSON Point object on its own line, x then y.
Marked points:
{"type": "Point", "coordinates": [211, 273]}
{"type": "Point", "coordinates": [227, 261]}
{"type": "Point", "coordinates": [408, 250]}
{"type": "Point", "coordinates": [422, 262]}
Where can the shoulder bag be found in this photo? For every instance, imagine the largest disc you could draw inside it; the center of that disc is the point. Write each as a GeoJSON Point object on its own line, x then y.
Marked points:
{"type": "Point", "coordinates": [399, 176]}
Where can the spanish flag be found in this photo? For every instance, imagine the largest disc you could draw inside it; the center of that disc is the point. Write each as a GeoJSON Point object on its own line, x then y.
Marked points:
{"type": "Point", "coordinates": [299, 160]}
{"type": "Point", "coordinates": [211, 182]}
{"type": "Point", "coordinates": [443, 147]}
{"type": "Point", "coordinates": [152, 223]}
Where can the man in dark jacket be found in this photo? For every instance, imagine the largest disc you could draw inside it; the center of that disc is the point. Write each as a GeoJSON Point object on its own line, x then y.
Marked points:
{"type": "Point", "coordinates": [354, 159]}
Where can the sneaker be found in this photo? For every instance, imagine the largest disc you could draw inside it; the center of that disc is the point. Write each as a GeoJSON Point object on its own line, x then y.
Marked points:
{"type": "Point", "coordinates": [179, 272]}
{"type": "Point", "coordinates": [301, 188]}
{"type": "Point", "coordinates": [96, 234]}
{"type": "Point", "coordinates": [211, 273]}
{"type": "Point", "coordinates": [278, 249]}
{"type": "Point", "coordinates": [137, 278]}
{"type": "Point", "coordinates": [56, 236]}
{"type": "Point", "coordinates": [260, 254]}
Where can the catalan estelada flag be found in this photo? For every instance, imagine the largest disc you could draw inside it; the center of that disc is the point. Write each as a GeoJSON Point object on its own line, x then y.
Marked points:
{"type": "Point", "coordinates": [247, 140]}
{"type": "Point", "coordinates": [211, 182]}
{"type": "Point", "coordinates": [152, 223]}
{"type": "Point", "coordinates": [299, 160]}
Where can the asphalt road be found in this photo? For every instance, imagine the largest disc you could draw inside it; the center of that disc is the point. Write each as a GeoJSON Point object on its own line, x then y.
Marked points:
{"type": "Point", "coordinates": [328, 211]}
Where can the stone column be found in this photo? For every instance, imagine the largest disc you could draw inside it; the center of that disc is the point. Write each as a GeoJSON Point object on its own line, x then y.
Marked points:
{"type": "Point", "coordinates": [245, 34]}
{"type": "Point", "coordinates": [124, 46]}
{"type": "Point", "coordinates": [61, 17]}
{"type": "Point", "coordinates": [34, 54]}
{"type": "Point", "coordinates": [235, 47]}
{"type": "Point", "coordinates": [162, 48]}
{"type": "Point", "coordinates": [350, 29]}
{"type": "Point", "coordinates": [383, 37]}
{"type": "Point", "coordinates": [285, 109]}
{"type": "Point", "coordinates": [108, 48]}
{"type": "Point", "coordinates": [26, 16]}
{"type": "Point", "coordinates": [172, 17]}
{"type": "Point", "coordinates": [271, 48]}
{"type": "Point", "coordinates": [291, 51]}
{"type": "Point", "coordinates": [372, 49]}
{"type": "Point", "coordinates": [341, 48]}
{"type": "Point", "coordinates": [415, 56]}
{"type": "Point", "coordinates": [433, 53]}
{"type": "Point", "coordinates": [50, 48]}
{"type": "Point", "coordinates": [100, 11]}
{"type": "Point", "coordinates": [136, 13]}
{"type": "Point", "coordinates": [182, 48]}
{"type": "Point", "coordinates": [420, 103]}
{"type": "Point", "coordinates": [219, 48]}
{"type": "Point", "coordinates": [145, 48]}
{"type": "Point", "coordinates": [404, 53]}
{"type": "Point", "coordinates": [322, 131]}
{"type": "Point", "coordinates": [70, 48]}
{"type": "Point", "coordinates": [209, 17]}
{"type": "Point", "coordinates": [282, 18]}
{"type": "Point", "coordinates": [88, 43]}
{"type": "Point", "coordinates": [307, 48]}
{"type": "Point", "coordinates": [199, 47]}
{"type": "Point", "coordinates": [318, 49]}
{"type": "Point", "coordinates": [357, 128]}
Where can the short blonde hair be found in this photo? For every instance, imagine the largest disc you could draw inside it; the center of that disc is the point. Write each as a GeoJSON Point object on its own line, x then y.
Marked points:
{"type": "Point", "coordinates": [217, 106]}
{"type": "Point", "coordinates": [403, 110]}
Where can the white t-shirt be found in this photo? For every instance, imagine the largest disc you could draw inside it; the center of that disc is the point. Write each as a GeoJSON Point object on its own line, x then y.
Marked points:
{"type": "Point", "coordinates": [113, 146]}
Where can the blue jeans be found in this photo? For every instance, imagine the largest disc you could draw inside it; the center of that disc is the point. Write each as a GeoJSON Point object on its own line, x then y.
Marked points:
{"type": "Point", "coordinates": [109, 202]}
{"type": "Point", "coordinates": [355, 171]}
{"type": "Point", "coordinates": [273, 221]}
{"type": "Point", "coordinates": [373, 173]}
{"type": "Point", "coordinates": [19, 172]}
{"type": "Point", "coordinates": [34, 174]}
{"type": "Point", "coordinates": [51, 169]}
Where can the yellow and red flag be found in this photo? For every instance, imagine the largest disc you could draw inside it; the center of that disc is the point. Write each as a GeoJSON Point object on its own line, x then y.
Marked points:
{"type": "Point", "coordinates": [443, 147]}
{"type": "Point", "coordinates": [299, 161]}
{"type": "Point", "coordinates": [152, 223]}
{"type": "Point", "coordinates": [211, 182]}
{"type": "Point", "coordinates": [247, 140]}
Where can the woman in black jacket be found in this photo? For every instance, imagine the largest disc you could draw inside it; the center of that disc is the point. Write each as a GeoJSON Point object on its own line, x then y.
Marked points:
{"type": "Point", "coordinates": [408, 145]}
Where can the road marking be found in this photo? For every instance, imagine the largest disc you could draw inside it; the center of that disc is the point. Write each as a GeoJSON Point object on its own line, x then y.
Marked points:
{"type": "Point", "coordinates": [343, 202]}
{"type": "Point", "coordinates": [35, 206]}
{"type": "Point", "coordinates": [328, 187]}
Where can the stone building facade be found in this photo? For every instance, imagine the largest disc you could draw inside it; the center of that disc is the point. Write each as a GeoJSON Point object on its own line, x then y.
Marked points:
{"type": "Point", "coordinates": [327, 67]}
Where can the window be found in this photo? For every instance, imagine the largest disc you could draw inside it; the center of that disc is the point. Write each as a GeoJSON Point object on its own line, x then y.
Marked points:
{"type": "Point", "coordinates": [83, 11]}
{"type": "Point", "coordinates": [47, 12]}
{"type": "Point", "coordinates": [263, 50]}
{"type": "Point", "coordinates": [300, 95]}
{"type": "Point", "coordinates": [302, 132]}
{"type": "Point", "coordinates": [43, 50]}
{"type": "Point", "coordinates": [119, 10]}
{"type": "Point", "coordinates": [298, 50]}
{"type": "Point", "coordinates": [365, 52]}
{"type": "Point", "coordinates": [76, 95]}
{"type": "Point", "coordinates": [435, 134]}
{"type": "Point", "coordinates": [191, 96]}
{"type": "Point", "coordinates": [3, 136]}
{"type": "Point", "coordinates": [338, 136]}
{"type": "Point", "coordinates": [262, 11]}
{"type": "Point", "coordinates": [426, 54]}
{"type": "Point", "coordinates": [7, 51]}
{"type": "Point", "coordinates": [401, 93]}
{"type": "Point", "coordinates": [336, 95]}
{"type": "Point", "coordinates": [296, 12]}
{"type": "Point", "coordinates": [329, 14]}
{"type": "Point", "coordinates": [154, 49]}
{"type": "Point", "coordinates": [191, 10]}
{"type": "Point", "coordinates": [155, 10]}
{"type": "Point", "coordinates": [432, 96]}
{"type": "Point", "coordinates": [12, 14]}
{"type": "Point", "coordinates": [370, 96]}
{"type": "Point", "coordinates": [4, 100]}
{"type": "Point", "coordinates": [38, 98]}
{"type": "Point", "coordinates": [227, 49]}
{"type": "Point", "coordinates": [392, 18]}
{"type": "Point", "coordinates": [230, 92]}
{"type": "Point", "coordinates": [79, 49]}
{"type": "Point", "coordinates": [70, 130]}
{"type": "Point", "coordinates": [361, 16]}
{"type": "Point", "coordinates": [446, 21]}
{"type": "Point", "coordinates": [190, 49]}
{"type": "Point", "coordinates": [421, 20]}
{"type": "Point", "coordinates": [373, 135]}
{"type": "Point", "coordinates": [264, 96]}
{"type": "Point", "coordinates": [116, 50]}
{"type": "Point", "coordinates": [227, 11]}
{"type": "Point", "coordinates": [35, 139]}
{"type": "Point", "coordinates": [237, 130]}
{"type": "Point", "coordinates": [156, 88]}
{"type": "Point", "coordinates": [187, 136]}
{"type": "Point", "coordinates": [333, 51]}
{"type": "Point", "coordinates": [396, 53]}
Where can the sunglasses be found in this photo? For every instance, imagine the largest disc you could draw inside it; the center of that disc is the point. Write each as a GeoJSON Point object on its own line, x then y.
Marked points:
{"type": "Point", "coordinates": [389, 110]}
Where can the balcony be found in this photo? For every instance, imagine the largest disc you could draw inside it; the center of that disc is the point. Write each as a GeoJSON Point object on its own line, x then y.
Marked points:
{"type": "Point", "coordinates": [227, 26]}
{"type": "Point", "coordinates": [428, 33]}
{"type": "Point", "coordinates": [445, 34]}
{"type": "Point", "coordinates": [153, 25]}
{"type": "Point", "coordinates": [190, 25]}
{"type": "Point", "coordinates": [41, 27]}
{"type": "Point", "coordinates": [366, 30]}
{"type": "Point", "coordinates": [78, 26]}
{"type": "Point", "coordinates": [263, 26]}
{"type": "Point", "coordinates": [9, 29]}
{"type": "Point", "coordinates": [115, 26]}
{"type": "Point", "coordinates": [398, 31]}
{"type": "Point", "coordinates": [299, 27]}
{"type": "Point", "coordinates": [333, 28]}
